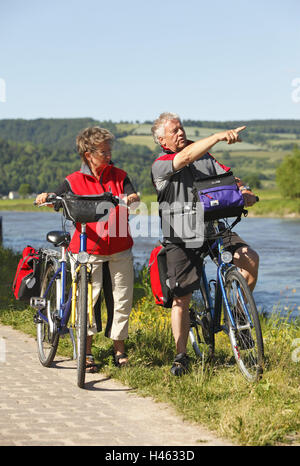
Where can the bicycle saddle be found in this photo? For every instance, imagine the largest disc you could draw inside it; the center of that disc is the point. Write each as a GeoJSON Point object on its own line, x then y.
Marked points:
{"type": "Point", "coordinates": [59, 238]}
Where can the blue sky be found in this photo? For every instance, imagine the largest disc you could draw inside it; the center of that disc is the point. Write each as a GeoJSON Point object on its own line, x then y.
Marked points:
{"type": "Point", "coordinates": [206, 60]}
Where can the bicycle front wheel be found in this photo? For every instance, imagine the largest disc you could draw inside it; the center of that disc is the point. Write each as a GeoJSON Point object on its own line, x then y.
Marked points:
{"type": "Point", "coordinates": [47, 337]}
{"type": "Point", "coordinates": [244, 328]}
{"type": "Point", "coordinates": [81, 330]}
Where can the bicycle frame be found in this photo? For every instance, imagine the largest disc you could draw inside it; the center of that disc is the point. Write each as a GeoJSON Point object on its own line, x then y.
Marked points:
{"type": "Point", "coordinates": [66, 308]}
{"type": "Point", "coordinates": [58, 314]}
{"type": "Point", "coordinates": [220, 292]}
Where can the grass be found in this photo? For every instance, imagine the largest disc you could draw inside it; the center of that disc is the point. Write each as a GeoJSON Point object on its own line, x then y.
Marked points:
{"type": "Point", "coordinates": [271, 204]}
{"type": "Point", "coordinates": [216, 395]}
{"type": "Point", "coordinates": [21, 205]}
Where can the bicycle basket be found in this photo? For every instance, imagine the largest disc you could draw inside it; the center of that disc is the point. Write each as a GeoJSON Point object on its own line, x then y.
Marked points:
{"type": "Point", "coordinates": [88, 209]}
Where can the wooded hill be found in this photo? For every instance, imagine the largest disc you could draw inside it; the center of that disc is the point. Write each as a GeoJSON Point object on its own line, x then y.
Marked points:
{"type": "Point", "coordinates": [42, 152]}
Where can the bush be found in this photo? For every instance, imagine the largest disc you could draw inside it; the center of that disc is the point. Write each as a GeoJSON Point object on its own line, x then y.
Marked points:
{"type": "Point", "coordinates": [288, 175]}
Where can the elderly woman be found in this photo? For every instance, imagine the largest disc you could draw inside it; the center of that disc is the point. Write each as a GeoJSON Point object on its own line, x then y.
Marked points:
{"type": "Point", "coordinates": [108, 243]}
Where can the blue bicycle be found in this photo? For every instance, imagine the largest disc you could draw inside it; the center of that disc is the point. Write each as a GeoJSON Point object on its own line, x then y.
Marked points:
{"type": "Point", "coordinates": [226, 304]}
{"type": "Point", "coordinates": [64, 308]}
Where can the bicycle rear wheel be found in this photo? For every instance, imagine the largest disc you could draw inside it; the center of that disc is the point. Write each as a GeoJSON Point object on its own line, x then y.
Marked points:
{"type": "Point", "coordinates": [201, 334]}
{"type": "Point", "coordinates": [245, 336]}
{"type": "Point", "coordinates": [81, 326]}
{"type": "Point", "coordinates": [47, 340]}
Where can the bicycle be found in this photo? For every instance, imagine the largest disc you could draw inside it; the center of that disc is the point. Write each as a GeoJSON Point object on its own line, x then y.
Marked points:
{"type": "Point", "coordinates": [227, 296]}
{"type": "Point", "coordinates": [61, 311]}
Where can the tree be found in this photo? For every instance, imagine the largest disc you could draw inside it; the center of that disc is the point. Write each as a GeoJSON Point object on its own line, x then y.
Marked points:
{"type": "Point", "coordinates": [253, 180]}
{"type": "Point", "coordinates": [226, 156]}
{"type": "Point", "coordinates": [25, 190]}
{"type": "Point", "coordinates": [288, 175]}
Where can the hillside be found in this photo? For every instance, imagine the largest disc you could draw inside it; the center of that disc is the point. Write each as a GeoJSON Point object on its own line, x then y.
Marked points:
{"type": "Point", "coordinates": [265, 143]}
{"type": "Point", "coordinates": [41, 152]}
{"type": "Point", "coordinates": [49, 132]}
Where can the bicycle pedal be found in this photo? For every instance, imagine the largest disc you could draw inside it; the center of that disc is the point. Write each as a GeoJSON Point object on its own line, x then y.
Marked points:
{"type": "Point", "coordinates": [38, 303]}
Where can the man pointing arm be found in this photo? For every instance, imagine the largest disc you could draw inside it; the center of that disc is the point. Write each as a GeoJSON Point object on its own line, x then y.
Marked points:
{"type": "Point", "coordinates": [173, 180]}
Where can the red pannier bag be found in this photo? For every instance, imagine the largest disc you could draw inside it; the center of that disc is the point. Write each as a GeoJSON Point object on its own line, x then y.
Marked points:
{"type": "Point", "coordinates": [159, 277]}
{"type": "Point", "coordinates": [27, 279]}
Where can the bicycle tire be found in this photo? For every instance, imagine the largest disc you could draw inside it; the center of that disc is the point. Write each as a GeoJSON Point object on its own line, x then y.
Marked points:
{"type": "Point", "coordinates": [47, 343]}
{"type": "Point", "coordinates": [201, 334]}
{"type": "Point", "coordinates": [246, 340]}
{"type": "Point", "coordinates": [81, 330]}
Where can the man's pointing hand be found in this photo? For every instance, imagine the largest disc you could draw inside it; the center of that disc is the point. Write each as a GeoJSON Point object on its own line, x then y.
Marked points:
{"type": "Point", "coordinates": [231, 135]}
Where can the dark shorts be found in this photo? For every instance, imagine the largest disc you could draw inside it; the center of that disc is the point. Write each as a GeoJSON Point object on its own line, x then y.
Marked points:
{"type": "Point", "coordinates": [185, 264]}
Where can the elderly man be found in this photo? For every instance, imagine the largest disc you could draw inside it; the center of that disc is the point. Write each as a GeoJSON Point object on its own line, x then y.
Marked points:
{"type": "Point", "coordinates": [173, 175]}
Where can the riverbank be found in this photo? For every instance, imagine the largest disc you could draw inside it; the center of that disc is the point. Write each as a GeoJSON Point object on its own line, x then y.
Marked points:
{"type": "Point", "coordinates": [271, 204]}
{"type": "Point", "coordinates": [217, 396]}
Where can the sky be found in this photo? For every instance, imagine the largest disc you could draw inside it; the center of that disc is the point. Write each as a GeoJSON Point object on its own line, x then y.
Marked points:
{"type": "Point", "coordinates": [131, 60]}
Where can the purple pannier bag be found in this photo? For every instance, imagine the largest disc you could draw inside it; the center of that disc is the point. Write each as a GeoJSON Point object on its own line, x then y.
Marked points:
{"type": "Point", "coordinates": [220, 197]}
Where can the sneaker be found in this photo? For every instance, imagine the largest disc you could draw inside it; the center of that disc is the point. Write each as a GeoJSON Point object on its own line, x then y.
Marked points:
{"type": "Point", "coordinates": [180, 365]}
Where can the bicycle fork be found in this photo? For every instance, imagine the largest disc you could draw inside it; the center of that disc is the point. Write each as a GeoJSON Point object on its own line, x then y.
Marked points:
{"type": "Point", "coordinates": [225, 299]}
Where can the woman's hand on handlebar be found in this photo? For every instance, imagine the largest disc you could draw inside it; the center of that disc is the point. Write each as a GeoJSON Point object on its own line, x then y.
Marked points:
{"type": "Point", "coordinates": [43, 198]}
{"type": "Point", "coordinates": [127, 201]}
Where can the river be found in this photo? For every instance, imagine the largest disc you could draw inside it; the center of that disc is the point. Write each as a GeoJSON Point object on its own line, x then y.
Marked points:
{"type": "Point", "coordinates": [277, 242]}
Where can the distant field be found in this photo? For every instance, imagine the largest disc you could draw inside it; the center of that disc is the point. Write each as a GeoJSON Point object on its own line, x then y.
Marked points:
{"type": "Point", "coordinates": [261, 159]}
{"type": "Point", "coordinates": [126, 126]}
{"type": "Point", "coordinates": [262, 154]}
{"type": "Point", "coordinates": [141, 134]}
{"type": "Point", "coordinates": [287, 140]}
{"type": "Point", "coordinates": [142, 139]}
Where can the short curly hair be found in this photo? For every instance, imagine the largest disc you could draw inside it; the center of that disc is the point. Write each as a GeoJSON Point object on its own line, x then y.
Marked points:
{"type": "Point", "coordinates": [158, 130]}
{"type": "Point", "coordinates": [89, 138]}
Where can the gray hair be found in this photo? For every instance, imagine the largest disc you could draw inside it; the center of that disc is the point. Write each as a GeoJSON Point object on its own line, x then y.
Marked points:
{"type": "Point", "coordinates": [88, 139]}
{"type": "Point", "coordinates": [158, 128]}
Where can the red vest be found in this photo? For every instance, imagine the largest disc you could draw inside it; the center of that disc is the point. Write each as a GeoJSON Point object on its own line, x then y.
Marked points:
{"type": "Point", "coordinates": [108, 237]}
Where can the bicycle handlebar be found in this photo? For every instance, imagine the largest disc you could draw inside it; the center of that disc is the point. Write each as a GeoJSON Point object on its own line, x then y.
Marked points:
{"type": "Point", "coordinates": [55, 200]}
{"type": "Point", "coordinates": [58, 201]}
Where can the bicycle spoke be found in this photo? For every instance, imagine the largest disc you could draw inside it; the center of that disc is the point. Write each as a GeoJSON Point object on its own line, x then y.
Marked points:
{"type": "Point", "coordinates": [201, 334]}
{"type": "Point", "coordinates": [46, 342]}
